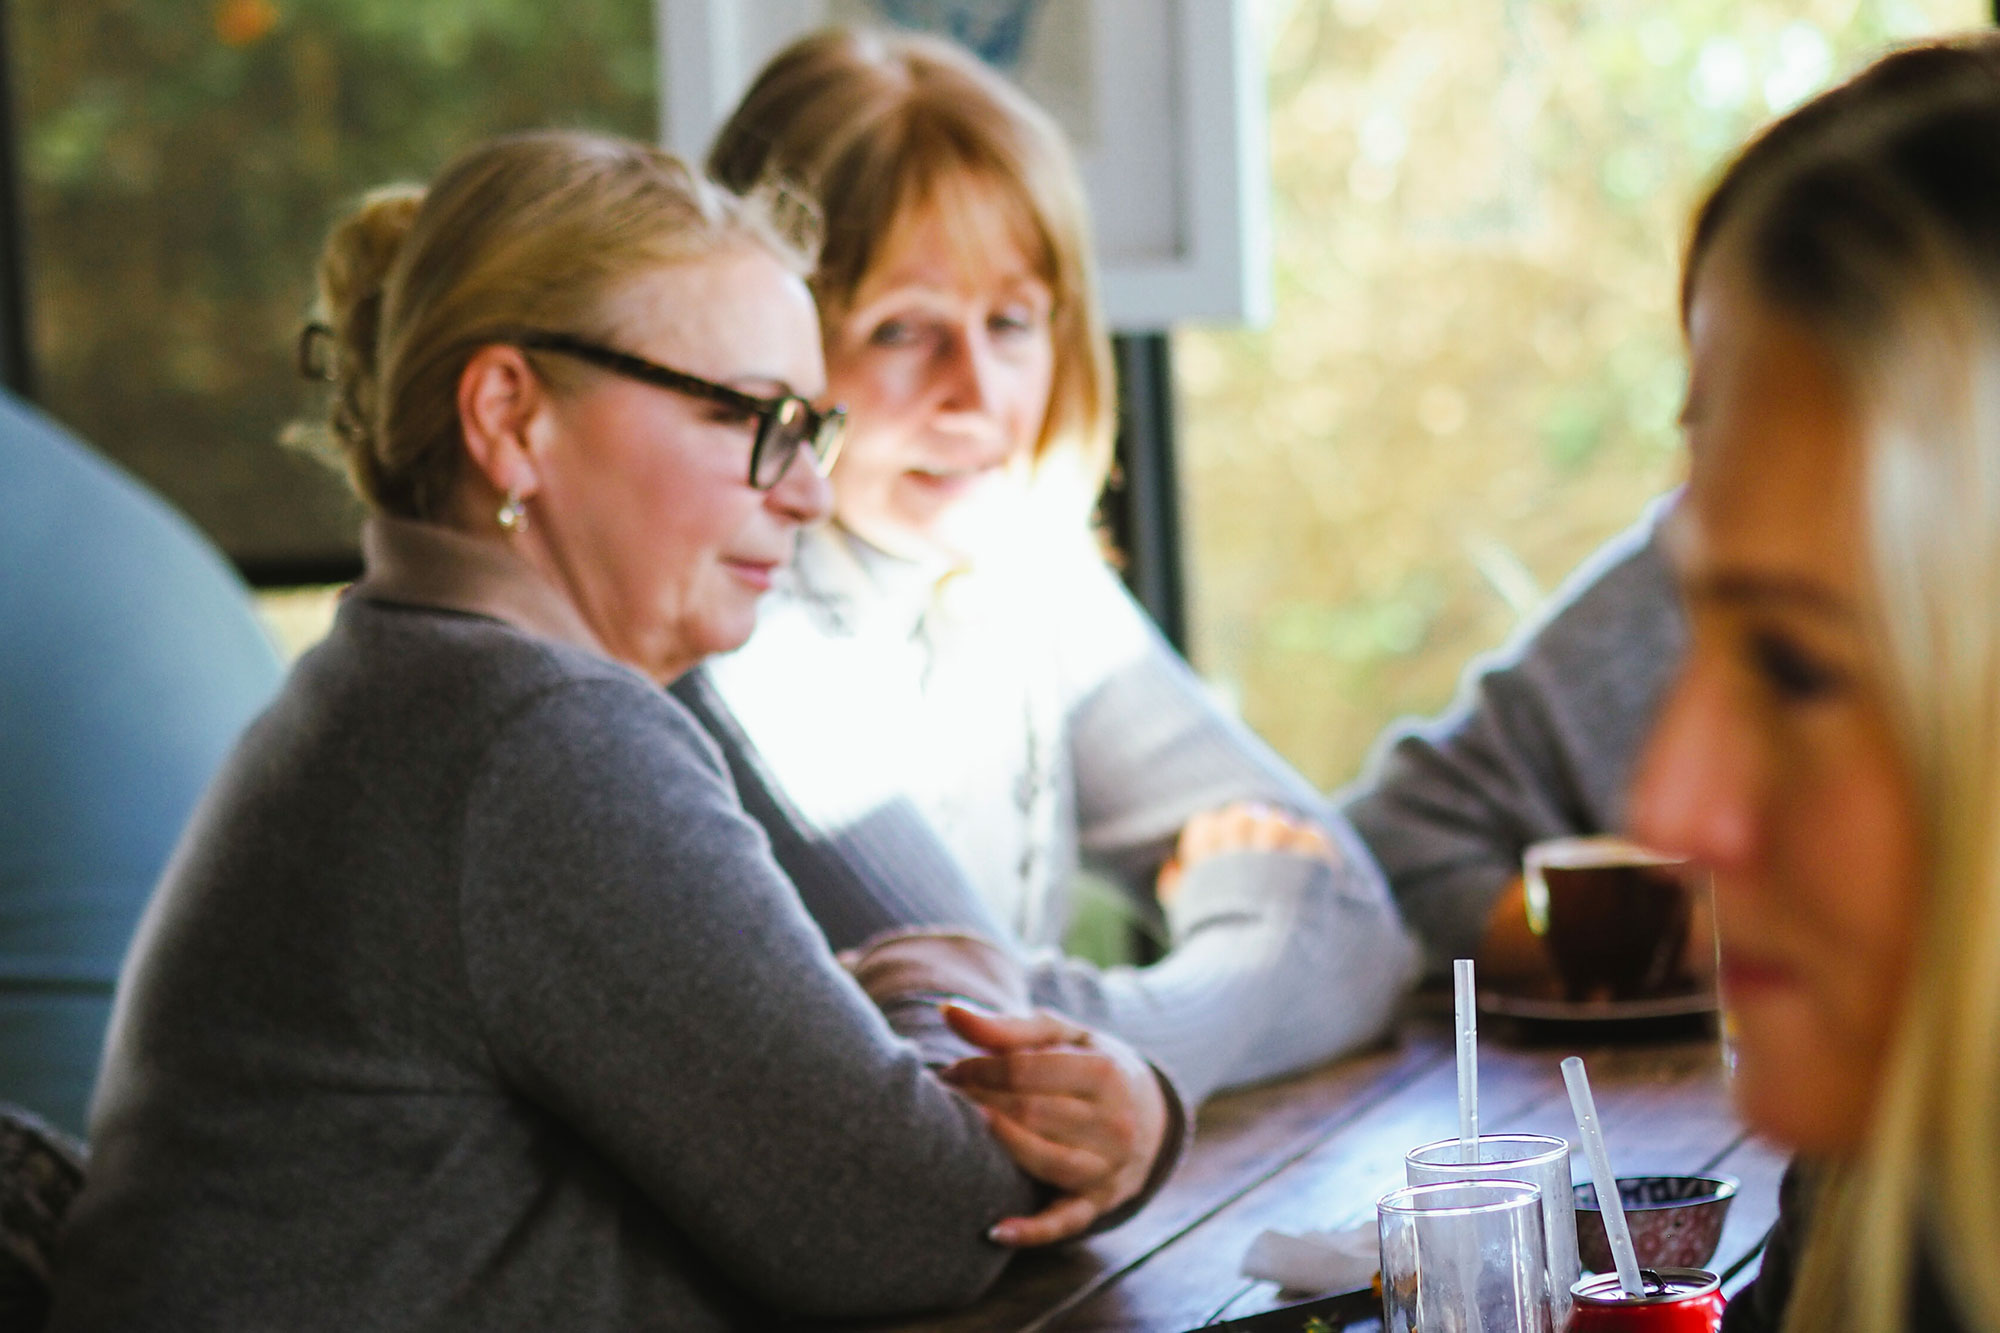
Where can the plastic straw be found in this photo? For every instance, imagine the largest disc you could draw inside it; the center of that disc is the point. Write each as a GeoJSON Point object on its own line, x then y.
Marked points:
{"type": "Point", "coordinates": [1468, 1061]}
{"type": "Point", "coordinates": [1608, 1202]}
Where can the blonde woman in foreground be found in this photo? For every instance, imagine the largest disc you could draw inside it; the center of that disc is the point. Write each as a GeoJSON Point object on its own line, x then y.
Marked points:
{"type": "Point", "coordinates": [1831, 750]}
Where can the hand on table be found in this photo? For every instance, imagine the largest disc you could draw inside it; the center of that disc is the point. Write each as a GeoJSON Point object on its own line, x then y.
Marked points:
{"type": "Point", "coordinates": [1511, 957]}
{"type": "Point", "coordinates": [1076, 1109]}
{"type": "Point", "coordinates": [1246, 826]}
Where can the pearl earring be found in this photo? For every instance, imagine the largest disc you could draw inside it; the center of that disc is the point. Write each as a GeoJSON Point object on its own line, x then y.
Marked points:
{"type": "Point", "coordinates": [513, 517]}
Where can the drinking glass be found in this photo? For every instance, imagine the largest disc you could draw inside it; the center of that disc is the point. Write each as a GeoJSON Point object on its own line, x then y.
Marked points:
{"type": "Point", "coordinates": [1463, 1258]}
{"type": "Point", "coordinates": [1533, 1159]}
{"type": "Point", "coordinates": [1711, 953]}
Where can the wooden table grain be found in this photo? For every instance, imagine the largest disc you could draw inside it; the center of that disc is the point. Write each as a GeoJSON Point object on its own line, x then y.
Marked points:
{"type": "Point", "coordinates": [1316, 1151]}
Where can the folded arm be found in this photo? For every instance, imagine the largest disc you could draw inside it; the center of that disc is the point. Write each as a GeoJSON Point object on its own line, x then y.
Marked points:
{"type": "Point", "coordinates": [1078, 1110]}
{"type": "Point", "coordinates": [647, 976]}
{"type": "Point", "coordinates": [1279, 957]}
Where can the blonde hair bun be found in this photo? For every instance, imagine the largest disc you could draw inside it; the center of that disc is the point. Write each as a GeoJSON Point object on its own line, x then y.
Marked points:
{"type": "Point", "coordinates": [537, 230]}
{"type": "Point", "coordinates": [353, 266]}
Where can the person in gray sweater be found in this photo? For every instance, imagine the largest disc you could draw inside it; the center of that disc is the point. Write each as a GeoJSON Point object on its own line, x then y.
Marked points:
{"type": "Point", "coordinates": [1540, 744]}
{"type": "Point", "coordinates": [472, 999]}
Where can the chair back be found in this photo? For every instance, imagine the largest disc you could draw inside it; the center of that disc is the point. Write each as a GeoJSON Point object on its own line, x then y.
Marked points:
{"type": "Point", "coordinates": [41, 1171]}
{"type": "Point", "coordinates": [130, 658]}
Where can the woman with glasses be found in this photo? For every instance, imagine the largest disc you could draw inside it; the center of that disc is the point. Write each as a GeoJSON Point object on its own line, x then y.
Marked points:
{"type": "Point", "coordinates": [472, 999]}
{"type": "Point", "coordinates": [1831, 748]}
{"type": "Point", "coordinates": [989, 713]}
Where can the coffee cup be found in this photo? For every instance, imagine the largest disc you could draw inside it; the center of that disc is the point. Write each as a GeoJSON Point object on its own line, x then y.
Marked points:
{"type": "Point", "coordinates": [1614, 916]}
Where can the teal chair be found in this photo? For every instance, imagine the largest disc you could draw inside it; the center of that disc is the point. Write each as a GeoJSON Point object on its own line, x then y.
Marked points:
{"type": "Point", "coordinates": [130, 658]}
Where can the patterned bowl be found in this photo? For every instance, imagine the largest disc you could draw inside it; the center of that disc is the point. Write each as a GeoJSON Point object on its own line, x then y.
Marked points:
{"type": "Point", "coordinates": [1676, 1221]}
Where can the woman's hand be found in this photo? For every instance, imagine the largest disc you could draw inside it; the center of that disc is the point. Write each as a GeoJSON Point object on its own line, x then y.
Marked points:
{"type": "Point", "coordinates": [1247, 826]}
{"type": "Point", "coordinates": [938, 961]}
{"type": "Point", "coordinates": [1511, 956]}
{"type": "Point", "coordinates": [1077, 1109]}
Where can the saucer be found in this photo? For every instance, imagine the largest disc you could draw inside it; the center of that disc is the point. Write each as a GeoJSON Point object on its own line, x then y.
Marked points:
{"type": "Point", "coordinates": [1553, 1009]}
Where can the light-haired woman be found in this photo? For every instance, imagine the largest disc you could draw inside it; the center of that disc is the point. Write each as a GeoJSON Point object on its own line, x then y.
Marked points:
{"type": "Point", "coordinates": [990, 710]}
{"type": "Point", "coordinates": [472, 1000]}
{"type": "Point", "coordinates": [1831, 749]}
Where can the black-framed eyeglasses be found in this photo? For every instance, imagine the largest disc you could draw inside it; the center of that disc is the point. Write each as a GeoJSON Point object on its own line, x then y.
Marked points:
{"type": "Point", "coordinates": [785, 424]}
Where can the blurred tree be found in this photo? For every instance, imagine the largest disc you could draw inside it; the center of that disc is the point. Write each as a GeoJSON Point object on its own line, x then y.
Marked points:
{"type": "Point", "coordinates": [1471, 379]}
{"type": "Point", "coordinates": [183, 159]}
{"type": "Point", "coordinates": [1475, 367]}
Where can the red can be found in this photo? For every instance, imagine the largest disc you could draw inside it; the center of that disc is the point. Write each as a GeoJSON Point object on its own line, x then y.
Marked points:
{"type": "Point", "coordinates": [1677, 1300]}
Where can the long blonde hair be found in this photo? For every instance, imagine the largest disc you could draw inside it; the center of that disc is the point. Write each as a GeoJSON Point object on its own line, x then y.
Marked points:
{"type": "Point", "coordinates": [878, 129]}
{"type": "Point", "coordinates": [527, 230]}
{"type": "Point", "coordinates": [1872, 216]}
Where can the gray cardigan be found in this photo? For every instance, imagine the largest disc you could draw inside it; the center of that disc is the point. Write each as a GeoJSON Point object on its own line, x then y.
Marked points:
{"type": "Point", "coordinates": [472, 1000]}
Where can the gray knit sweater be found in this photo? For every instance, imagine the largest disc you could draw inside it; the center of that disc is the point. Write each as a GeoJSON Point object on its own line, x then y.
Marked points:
{"type": "Point", "coordinates": [472, 1000]}
{"type": "Point", "coordinates": [951, 752]}
{"type": "Point", "coordinates": [1540, 744]}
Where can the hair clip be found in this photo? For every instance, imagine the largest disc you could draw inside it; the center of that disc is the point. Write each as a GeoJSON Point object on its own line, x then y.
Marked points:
{"type": "Point", "coordinates": [316, 351]}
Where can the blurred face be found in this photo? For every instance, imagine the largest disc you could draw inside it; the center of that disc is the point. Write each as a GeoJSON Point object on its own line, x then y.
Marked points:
{"type": "Point", "coordinates": [643, 507]}
{"type": "Point", "coordinates": [1774, 763]}
{"type": "Point", "coordinates": [944, 364]}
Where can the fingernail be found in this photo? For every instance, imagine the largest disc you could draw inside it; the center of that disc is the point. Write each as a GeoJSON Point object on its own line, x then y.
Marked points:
{"type": "Point", "coordinates": [998, 1234]}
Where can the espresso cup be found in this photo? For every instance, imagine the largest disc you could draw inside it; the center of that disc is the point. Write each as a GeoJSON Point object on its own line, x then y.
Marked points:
{"type": "Point", "coordinates": [1614, 916]}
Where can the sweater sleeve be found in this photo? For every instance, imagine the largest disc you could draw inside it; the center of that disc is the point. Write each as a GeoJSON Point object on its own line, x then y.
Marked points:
{"type": "Point", "coordinates": [647, 976]}
{"type": "Point", "coordinates": [1540, 744]}
{"type": "Point", "coordinates": [1275, 962]}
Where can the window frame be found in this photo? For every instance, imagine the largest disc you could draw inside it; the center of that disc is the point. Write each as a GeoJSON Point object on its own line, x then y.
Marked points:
{"type": "Point", "coordinates": [1141, 509]}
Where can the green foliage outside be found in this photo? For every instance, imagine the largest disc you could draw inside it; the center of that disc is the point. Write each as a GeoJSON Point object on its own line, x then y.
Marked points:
{"type": "Point", "coordinates": [1471, 379]}
{"type": "Point", "coordinates": [183, 159]}
{"type": "Point", "coordinates": [1474, 371]}
{"type": "Point", "coordinates": [1470, 382]}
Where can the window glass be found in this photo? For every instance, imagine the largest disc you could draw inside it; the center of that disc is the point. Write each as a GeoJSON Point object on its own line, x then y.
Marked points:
{"type": "Point", "coordinates": [1475, 365]}
{"type": "Point", "coordinates": [182, 161]}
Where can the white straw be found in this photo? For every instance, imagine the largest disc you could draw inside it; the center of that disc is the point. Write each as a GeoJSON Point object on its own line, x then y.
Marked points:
{"type": "Point", "coordinates": [1609, 1204]}
{"type": "Point", "coordinates": [1468, 1061]}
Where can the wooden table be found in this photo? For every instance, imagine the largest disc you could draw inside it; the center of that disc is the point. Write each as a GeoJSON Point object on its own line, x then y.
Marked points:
{"type": "Point", "coordinates": [1315, 1152]}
